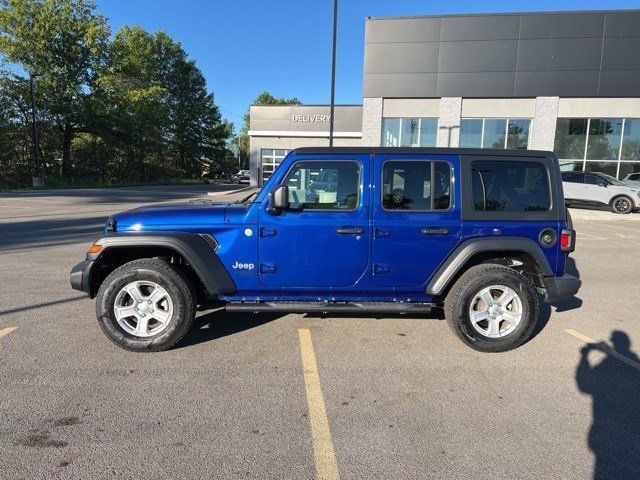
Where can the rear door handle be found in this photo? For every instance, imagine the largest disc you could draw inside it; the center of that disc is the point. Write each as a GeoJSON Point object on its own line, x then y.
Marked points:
{"type": "Point", "coordinates": [435, 231]}
{"type": "Point", "coordinates": [350, 231]}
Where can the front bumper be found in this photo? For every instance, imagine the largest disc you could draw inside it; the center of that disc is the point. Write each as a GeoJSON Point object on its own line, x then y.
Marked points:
{"type": "Point", "coordinates": [81, 276]}
{"type": "Point", "coordinates": [561, 287]}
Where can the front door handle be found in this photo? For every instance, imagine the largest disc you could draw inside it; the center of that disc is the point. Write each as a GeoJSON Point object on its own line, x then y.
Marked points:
{"type": "Point", "coordinates": [350, 231]}
{"type": "Point", "coordinates": [435, 231]}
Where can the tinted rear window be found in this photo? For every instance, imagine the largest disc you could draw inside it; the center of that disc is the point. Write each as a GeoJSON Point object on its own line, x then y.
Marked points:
{"type": "Point", "coordinates": [572, 177]}
{"type": "Point", "coordinates": [509, 187]}
{"type": "Point", "coordinates": [418, 185]}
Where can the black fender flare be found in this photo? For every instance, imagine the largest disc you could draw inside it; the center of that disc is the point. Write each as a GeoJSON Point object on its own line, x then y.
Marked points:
{"type": "Point", "coordinates": [467, 249]}
{"type": "Point", "coordinates": [197, 249]}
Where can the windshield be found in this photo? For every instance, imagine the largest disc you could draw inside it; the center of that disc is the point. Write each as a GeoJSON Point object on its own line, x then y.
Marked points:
{"type": "Point", "coordinates": [612, 180]}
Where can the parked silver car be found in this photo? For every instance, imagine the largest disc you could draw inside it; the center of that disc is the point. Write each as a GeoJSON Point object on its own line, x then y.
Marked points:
{"type": "Point", "coordinates": [594, 188]}
{"type": "Point", "coordinates": [632, 180]}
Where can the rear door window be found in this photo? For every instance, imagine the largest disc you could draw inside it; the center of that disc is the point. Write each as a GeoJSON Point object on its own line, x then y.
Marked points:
{"type": "Point", "coordinates": [416, 185]}
{"type": "Point", "coordinates": [595, 180]}
{"type": "Point", "coordinates": [506, 186]}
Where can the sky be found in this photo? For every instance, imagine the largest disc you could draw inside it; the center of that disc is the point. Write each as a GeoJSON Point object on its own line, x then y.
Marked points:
{"type": "Point", "coordinates": [245, 47]}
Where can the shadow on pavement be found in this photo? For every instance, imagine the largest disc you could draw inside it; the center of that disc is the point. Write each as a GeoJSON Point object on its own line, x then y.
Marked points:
{"type": "Point", "coordinates": [614, 386]}
{"type": "Point", "coordinates": [219, 323]}
{"type": "Point", "coordinates": [45, 233]}
{"type": "Point", "coordinates": [134, 195]}
{"type": "Point", "coordinates": [42, 305]}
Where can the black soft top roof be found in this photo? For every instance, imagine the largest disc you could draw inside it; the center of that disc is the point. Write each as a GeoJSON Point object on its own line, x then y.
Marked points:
{"type": "Point", "coordinates": [420, 151]}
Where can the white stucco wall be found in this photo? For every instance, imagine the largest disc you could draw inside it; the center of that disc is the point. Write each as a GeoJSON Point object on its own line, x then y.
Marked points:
{"type": "Point", "coordinates": [411, 107]}
{"type": "Point", "coordinates": [449, 123]}
{"type": "Point", "coordinates": [372, 122]}
{"type": "Point", "coordinates": [543, 127]}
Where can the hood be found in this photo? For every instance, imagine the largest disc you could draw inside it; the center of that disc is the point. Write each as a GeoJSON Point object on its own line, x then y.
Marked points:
{"type": "Point", "coordinates": [170, 217]}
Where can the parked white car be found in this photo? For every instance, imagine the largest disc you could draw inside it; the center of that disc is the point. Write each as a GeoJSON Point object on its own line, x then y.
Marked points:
{"type": "Point", "coordinates": [632, 180]}
{"type": "Point", "coordinates": [593, 188]}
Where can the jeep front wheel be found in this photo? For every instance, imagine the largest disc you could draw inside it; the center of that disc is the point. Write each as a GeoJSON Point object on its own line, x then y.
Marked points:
{"type": "Point", "coordinates": [146, 305]}
{"type": "Point", "coordinates": [492, 308]}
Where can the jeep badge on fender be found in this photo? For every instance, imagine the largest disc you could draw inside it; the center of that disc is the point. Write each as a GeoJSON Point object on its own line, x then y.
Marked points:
{"type": "Point", "coordinates": [376, 230]}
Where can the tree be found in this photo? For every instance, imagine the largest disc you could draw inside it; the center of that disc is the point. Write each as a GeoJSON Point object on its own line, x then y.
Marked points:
{"type": "Point", "coordinates": [265, 98]}
{"type": "Point", "coordinates": [63, 42]}
{"type": "Point", "coordinates": [132, 108]}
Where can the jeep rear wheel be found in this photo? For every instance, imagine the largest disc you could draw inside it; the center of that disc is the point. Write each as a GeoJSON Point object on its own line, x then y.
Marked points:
{"type": "Point", "coordinates": [622, 204]}
{"type": "Point", "coordinates": [492, 308]}
{"type": "Point", "coordinates": [146, 305]}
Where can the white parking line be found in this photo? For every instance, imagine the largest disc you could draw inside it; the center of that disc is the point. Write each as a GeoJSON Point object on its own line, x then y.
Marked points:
{"type": "Point", "coordinates": [590, 236]}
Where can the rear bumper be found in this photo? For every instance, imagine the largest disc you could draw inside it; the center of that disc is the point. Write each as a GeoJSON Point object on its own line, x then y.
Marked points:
{"type": "Point", "coordinates": [81, 276]}
{"type": "Point", "coordinates": [561, 287]}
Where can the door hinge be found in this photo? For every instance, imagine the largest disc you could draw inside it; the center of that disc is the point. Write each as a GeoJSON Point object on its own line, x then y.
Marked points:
{"type": "Point", "coordinates": [380, 269]}
{"type": "Point", "coordinates": [268, 232]}
{"type": "Point", "coordinates": [268, 268]}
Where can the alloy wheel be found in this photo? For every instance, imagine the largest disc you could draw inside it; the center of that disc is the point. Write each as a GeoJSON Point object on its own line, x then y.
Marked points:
{"type": "Point", "coordinates": [143, 308]}
{"type": "Point", "coordinates": [495, 311]}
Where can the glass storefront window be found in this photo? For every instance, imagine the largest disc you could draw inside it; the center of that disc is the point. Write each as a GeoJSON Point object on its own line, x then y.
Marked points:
{"type": "Point", "coordinates": [604, 138]}
{"type": "Point", "coordinates": [495, 133]}
{"type": "Point", "coordinates": [610, 168]}
{"type": "Point", "coordinates": [591, 139]}
{"type": "Point", "coordinates": [428, 132]}
{"type": "Point", "coordinates": [270, 160]}
{"type": "Point", "coordinates": [631, 139]}
{"type": "Point", "coordinates": [571, 137]}
{"type": "Point", "coordinates": [409, 132]}
{"type": "Point", "coordinates": [518, 134]}
{"type": "Point", "coordinates": [471, 133]}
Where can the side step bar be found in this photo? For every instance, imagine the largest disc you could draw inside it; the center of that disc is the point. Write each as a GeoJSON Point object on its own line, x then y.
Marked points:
{"type": "Point", "coordinates": [328, 307]}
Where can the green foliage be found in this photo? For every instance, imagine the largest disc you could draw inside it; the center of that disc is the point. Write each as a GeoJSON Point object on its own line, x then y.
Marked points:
{"type": "Point", "coordinates": [133, 107]}
{"type": "Point", "coordinates": [265, 98]}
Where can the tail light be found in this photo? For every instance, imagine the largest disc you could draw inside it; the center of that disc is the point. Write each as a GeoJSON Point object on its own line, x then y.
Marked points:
{"type": "Point", "coordinates": [568, 240]}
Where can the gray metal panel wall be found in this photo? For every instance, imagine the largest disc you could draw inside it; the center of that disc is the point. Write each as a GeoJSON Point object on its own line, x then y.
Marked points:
{"type": "Point", "coordinates": [588, 54]}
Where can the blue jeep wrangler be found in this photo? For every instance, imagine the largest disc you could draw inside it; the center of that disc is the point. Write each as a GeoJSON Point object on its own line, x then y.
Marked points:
{"type": "Point", "coordinates": [360, 230]}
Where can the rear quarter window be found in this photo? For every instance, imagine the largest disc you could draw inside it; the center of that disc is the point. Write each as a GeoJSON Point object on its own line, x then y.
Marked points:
{"type": "Point", "coordinates": [506, 186]}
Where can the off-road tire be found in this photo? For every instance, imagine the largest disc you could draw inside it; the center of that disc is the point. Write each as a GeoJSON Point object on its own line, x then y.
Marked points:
{"type": "Point", "coordinates": [169, 277]}
{"type": "Point", "coordinates": [622, 204]}
{"type": "Point", "coordinates": [462, 293]}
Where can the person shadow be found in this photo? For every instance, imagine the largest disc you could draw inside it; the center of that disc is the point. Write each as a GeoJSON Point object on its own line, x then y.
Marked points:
{"type": "Point", "coordinates": [614, 386]}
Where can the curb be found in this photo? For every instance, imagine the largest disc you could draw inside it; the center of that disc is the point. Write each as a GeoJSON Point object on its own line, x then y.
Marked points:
{"type": "Point", "coordinates": [227, 192]}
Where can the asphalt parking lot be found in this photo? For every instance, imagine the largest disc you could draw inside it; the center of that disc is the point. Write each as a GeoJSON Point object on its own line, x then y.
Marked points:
{"type": "Point", "coordinates": [279, 396]}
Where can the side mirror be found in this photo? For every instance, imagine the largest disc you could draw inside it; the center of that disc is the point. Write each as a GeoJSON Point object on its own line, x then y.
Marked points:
{"type": "Point", "coordinates": [278, 200]}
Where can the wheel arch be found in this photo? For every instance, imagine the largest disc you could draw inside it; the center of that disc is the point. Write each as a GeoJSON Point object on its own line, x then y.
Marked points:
{"type": "Point", "coordinates": [194, 254]}
{"type": "Point", "coordinates": [521, 254]}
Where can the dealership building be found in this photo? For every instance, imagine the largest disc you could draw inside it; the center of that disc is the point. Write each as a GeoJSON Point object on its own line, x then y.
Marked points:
{"type": "Point", "coordinates": [562, 81]}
